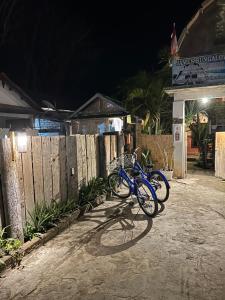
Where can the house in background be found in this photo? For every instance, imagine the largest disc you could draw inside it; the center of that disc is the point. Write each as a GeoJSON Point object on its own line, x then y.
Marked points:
{"type": "Point", "coordinates": [98, 115]}
{"type": "Point", "coordinates": [17, 109]}
{"type": "Point", "coordinates": [198, 74]}
{"type": "Point", "coordinates": [19, 112]}
{"type": "Point", "coordinates": [52, 122]}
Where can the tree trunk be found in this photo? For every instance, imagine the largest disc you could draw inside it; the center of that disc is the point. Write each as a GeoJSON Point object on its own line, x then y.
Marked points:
{"type": "Point", "coordinates": [11, 190]}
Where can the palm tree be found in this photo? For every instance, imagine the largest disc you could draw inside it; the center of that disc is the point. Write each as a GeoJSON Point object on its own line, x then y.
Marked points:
{"type": "Point", "coordinates": [146, 102]}
{"type": "Point", "coordinates": [144, 96]}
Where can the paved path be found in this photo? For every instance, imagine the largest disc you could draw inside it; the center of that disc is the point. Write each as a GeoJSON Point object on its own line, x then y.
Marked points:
{"type": "Point", "coordinates": [180, 254]}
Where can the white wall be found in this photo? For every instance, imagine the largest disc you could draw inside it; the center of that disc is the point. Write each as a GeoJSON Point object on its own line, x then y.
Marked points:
{"type": "Point", "coordinates": [9, 97]}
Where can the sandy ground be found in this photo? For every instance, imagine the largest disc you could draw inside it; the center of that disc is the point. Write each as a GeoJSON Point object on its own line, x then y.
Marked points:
{"type": "Point", "coordinates": [180, 254]}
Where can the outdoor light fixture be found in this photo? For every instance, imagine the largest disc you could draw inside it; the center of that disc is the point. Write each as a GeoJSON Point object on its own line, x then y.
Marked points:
{"type": "Point", "coordinates": [205, 100]}
{"type": "Point", "coordinates": [22, 142]}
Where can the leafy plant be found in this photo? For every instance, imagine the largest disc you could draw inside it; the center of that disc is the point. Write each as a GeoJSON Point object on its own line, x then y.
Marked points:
{"type": "Point", "coordinates": [2, 233]}
{"type": "Point", "coordinates": [145, 157]}
{"type": "Point", "coordinates": [7, 245]}
{"type": "Point", "coordinates": [45, 216]}
{"type": "Point", "coordinates": [144, 96]}
{"type": "Point", "coordinates": [29, 232]}
{"type": "Point", "coordinates": [94, 188]}
{"type": "Point", "coordinates": [41, 217]}
{"type": "Point", "coordinates": [11, 244]}
{"type": "Point", "coordinates": [65, 207]}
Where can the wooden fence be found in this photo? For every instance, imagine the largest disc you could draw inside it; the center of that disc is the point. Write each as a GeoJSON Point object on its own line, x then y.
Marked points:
{"type": "Point", "coordinates": [220, 155]}
{"type": "Point", "coordinates": [51, 169]}
{"type": "Point", "coordinates": [158, 145]}
{"type": "Point", "coordinates": [111, 146]}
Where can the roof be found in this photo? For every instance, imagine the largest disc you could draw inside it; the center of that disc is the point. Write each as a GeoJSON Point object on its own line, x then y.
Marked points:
{"type": "Point", "coordinates": [5, 80]}
{"type": "Point", "coordinates": [33, 107]}
{"type": "Point", "coordinates": [118, 110]}
{"type": "Point", "coordinates": [185, 31]}
{"type": "Point", "coordinates": [59, 115]}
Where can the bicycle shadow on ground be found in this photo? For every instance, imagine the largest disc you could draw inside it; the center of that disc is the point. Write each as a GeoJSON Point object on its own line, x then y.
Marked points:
{"type": "Point", "coordinates": [125, 225]}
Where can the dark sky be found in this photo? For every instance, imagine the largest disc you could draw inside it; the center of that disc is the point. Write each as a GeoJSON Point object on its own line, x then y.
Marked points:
{"type": "Point", "coordinates": [62, 52]}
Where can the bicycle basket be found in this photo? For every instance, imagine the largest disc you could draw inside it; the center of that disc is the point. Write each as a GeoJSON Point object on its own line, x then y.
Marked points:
{"type": "Point", "coordinates": [125, 160]}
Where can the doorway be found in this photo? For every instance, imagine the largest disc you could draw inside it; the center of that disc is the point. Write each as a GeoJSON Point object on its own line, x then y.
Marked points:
{"type": "Point", "coordinates": [204, 119]}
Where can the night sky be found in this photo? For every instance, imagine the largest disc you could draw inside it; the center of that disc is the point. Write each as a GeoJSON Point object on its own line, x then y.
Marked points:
{"type": "Point", "coordinates": [64, 53]}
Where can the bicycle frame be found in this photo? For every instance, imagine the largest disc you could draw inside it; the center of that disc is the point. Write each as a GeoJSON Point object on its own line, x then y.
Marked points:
{"type": "Point", "coordinates": [133, 183]}
{"type": "Point", "coordinates": [137, 167]}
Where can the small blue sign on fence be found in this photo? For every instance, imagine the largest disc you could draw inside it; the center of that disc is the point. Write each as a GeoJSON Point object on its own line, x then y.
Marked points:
{"type": "Point", "coordinates": [200, 70]}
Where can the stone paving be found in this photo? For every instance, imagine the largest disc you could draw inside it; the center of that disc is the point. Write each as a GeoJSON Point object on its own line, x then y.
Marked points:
{"type": "Point", "coordinates": [115, 252]}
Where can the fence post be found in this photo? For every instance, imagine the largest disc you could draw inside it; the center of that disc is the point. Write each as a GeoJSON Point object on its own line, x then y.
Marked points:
{"type": "Point", "coordinates": [11, 190]}
{"type": "Point", "coordinates": [120, 144]}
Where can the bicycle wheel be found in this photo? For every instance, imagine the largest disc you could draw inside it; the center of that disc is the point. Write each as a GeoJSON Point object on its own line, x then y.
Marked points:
{"type": "Point", "coordinates": [147, 201]}
{"type": "Point", "coordinates": [119, 186]}
{"type": "Point", "coordinates": [160, 185]}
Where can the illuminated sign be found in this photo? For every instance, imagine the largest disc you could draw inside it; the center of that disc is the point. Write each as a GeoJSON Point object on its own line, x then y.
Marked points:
{"type": "Point", "coordinates": [200, 70]}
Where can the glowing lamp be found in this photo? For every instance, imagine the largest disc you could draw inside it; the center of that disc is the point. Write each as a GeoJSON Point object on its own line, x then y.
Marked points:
{"type": "Point", "coordinates": [205, 100]}
{"type": "Point", "coordinates": [22, 142]}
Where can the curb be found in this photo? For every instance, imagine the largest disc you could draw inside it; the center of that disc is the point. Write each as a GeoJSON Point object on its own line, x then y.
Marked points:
{"type": "Point", "coordinates": [9, 261]}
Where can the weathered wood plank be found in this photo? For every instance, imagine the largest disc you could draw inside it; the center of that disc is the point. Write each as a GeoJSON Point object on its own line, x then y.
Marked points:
{"type": "Point", "coordinates": [10, 189]}
{"type": "Point", "coordinates": [220, 155]}
{"type": "Point", "coordinates": [79, 161]}
{"type": "Point", "coordinates": [107, 152]}
{"type": "Point", "coordinates": [97, 155]}
{"type": "Point", "coordinates": [84, 159]}
{"type": "Point", "coordinates": [93, 157]}
{"type": "Point", "coordinates": [38, 169]}
{"type": "Point", "coordinates": [28, 178]}
{"type": "Point", "coordinates": [71, 166]}
{"type": "Point", "coordinates": [113, 147]}
{"type": "Point", "coordinates": [102, 156]}
{"type": "Point", "coordinates": [120, 144]}
{"type": "Point", "coordinates": [19, 167]}
{"type": "Point", "coordinates": [88, 157]}
{"type": "Point", "coordinates": [55, 168]}
{"type": "Point", "coordinates": [63, 168]}
{"type": "Point", "coordinates": [2, 211]}
{"type": "Point", "coordinates": [47, 170]}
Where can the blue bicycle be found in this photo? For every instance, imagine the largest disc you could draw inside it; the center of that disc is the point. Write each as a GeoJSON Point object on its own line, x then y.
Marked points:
{"type": "Point", "coordinates": [123, 186]}
{"type": "Point", "coordinates": [156, 178]}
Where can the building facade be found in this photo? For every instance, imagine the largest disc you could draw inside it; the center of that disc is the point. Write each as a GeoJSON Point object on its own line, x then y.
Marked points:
{"type": "Point", "coordinates": [199, 71]}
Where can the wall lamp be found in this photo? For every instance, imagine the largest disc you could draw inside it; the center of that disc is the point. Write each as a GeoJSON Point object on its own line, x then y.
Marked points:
{"type": "Point", "coordinates": [205, 100]}
{"type": "Point", "coordinates": [21, 139]}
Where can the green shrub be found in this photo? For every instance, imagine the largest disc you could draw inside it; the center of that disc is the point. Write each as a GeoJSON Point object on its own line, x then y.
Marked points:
{"type": "Point", "coordinates": [145, 157]}
{"type": "Point", "coordinates": [45, 216]}
{"type": "Point", "coordinates": [7, 245]}
{"type": "Point", "coordinates": [63, 207]}
{"type": "Point", "coordinates": [41, 217]}
{"type": "Point", "coordinates": [29, 232]}
{"type": "Point", "coordinates": [94, 188]}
